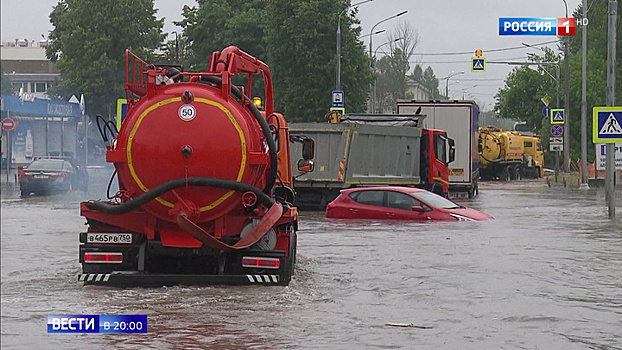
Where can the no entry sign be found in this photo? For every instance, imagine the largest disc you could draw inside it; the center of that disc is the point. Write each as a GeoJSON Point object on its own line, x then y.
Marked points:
{"type": "Point", "coordinates": [8, 124]}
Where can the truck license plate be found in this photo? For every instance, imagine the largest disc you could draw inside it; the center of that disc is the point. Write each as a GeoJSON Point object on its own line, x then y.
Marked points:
{"type": "Point", "coordinates": [112, 238]}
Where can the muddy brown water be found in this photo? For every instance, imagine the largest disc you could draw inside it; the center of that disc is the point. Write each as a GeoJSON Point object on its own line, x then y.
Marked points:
{"type": "Point", "coordinates": [546, 273]}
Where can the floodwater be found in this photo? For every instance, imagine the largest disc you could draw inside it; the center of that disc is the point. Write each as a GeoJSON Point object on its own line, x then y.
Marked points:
{"type": "Point", "coordinates": [546, 274]}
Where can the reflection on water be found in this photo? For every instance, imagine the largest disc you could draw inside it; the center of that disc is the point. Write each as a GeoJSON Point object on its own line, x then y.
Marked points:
{"type": "Point", "coordinates": [546, 273]}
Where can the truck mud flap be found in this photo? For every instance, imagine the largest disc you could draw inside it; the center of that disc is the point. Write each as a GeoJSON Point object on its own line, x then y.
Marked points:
{"type": "Point", "coordinates": [120, 279]}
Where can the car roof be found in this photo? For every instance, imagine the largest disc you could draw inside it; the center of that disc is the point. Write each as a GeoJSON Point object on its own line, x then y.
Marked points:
{"type": "Point", "coordinates": [403, 189]}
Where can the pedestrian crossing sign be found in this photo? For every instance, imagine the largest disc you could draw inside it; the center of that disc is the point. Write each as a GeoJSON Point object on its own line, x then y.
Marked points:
{"type": "Point", "coordinates": [607, 124]}
{"type": "Point", "coordinates": [478, 64]}
{"type": "Point", "coordinates": [557, 116]}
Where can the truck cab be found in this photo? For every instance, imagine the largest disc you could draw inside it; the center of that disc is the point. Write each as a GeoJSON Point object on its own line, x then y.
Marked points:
{"type": "Point", "coordinates": [437, 151]}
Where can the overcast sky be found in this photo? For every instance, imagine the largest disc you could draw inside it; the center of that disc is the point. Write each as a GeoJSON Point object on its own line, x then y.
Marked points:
{"type": "Point", "coordinates": [444, 26]}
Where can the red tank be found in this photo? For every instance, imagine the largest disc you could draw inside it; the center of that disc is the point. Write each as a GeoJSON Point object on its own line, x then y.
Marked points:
{"type": "Point", "coordinates": [164, 138]}
{"type": "Point", "coordinates": [197, 165]}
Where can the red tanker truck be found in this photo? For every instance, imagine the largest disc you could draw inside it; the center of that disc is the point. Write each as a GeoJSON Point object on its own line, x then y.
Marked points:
{"type": "Point", "coordinates": [205, 182]}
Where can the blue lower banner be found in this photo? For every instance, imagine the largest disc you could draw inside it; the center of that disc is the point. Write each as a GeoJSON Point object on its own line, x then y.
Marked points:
{"type": "Point", "coordinates": [97, 323]}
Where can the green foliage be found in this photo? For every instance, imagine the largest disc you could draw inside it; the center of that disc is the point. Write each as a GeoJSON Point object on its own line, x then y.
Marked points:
{"type": "Point", "coordinates": [519, 99]}
{"type": "Point", "coordinates": [428, 79]}
{"type": "Point", "coordinates": [300, 38]}
{"type": "Point", "coordinates": [214, 25]}
{"type": "Point", "coordinates": [417, 73]}
{"type": "Point", "coordinates": [295, 38]}
{"type": "Point", "coordinates": [88, 44]}
{"type": "Point", "coordinates": [431, 82]}
{"type": "Point", "coordinates": [391, 84]}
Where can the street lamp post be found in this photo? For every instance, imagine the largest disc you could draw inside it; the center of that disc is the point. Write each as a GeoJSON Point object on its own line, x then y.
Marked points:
{"type": "Point", "coordinates": [374, 33]}
{"type": "Point", "coordinates": [373, 102]}
{"type": "Point", "coordinates": [338, 80]}
{"type": "Point", "coordinates": [374, 67]}
{"type": "Point", "coordinates": [447, 81]}
{"type": "Point", "coordinates": [176, 46]}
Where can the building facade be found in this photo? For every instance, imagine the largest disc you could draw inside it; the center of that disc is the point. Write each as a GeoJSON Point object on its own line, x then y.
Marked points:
{"type": "Point", "coordinates": [29, 70]}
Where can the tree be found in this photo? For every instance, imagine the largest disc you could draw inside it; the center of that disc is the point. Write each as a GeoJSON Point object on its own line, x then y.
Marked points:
{"type": "Point", "coordinates": [524, 87]}
{"type": "Point", "coordinates": [214, 25]}
{"type": "Point", "coordinates": [426, 78]}
{"type": "Point", "coordinates": [431, 82]}
{"type": "Point", "coordinates": [175, 51]}
{"type": "Point", "coordinates": [295, 38]}
{"type": "Point", "coordinates": [88, 43]}
{"type": "Point", "coordinates": [392, 83]}
{"type": "Point", "coordinates": [519, 99]}
{"type": "Point", "coordinates": [300, 38]}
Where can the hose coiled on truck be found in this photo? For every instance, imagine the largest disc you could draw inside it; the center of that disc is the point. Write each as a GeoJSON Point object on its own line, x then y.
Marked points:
{"type": "Point", "coordinates": [263, 196]}
{"type": "Point", "coordinates": [499, 143]}
{"type": "Point", "coordinates": [115, 209]}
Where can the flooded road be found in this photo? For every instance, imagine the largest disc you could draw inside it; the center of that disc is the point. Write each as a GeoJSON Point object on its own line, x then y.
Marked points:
{"type": "Point", "coordinates": [546, 273]}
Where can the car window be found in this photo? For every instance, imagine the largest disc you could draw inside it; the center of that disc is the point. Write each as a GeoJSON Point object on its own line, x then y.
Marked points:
{"type": "Point", "coordinates": [46, 164]}
{"type": "Point", "coordinates": [401, 200]}
{"type": "Point", "coordinates": [435, 200]}
{"type": "Point", "coordinates": [369, 197]}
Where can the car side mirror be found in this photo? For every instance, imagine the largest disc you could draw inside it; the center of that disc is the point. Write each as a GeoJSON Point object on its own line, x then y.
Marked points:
{"type": "Point", "coordinates": [305, 166]}
{"type": "Point", "coordinates": [417, 208]}
{"type": "Point", "coordinates": [308, 149]}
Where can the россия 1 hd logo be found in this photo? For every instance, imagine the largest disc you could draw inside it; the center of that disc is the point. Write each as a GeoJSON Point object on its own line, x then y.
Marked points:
{"type": "Point", "coordinates": [539, 26]}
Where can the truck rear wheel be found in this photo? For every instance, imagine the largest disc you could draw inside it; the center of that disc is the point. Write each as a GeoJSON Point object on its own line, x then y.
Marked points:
{"type": "Point", "coordinates": [290, 261]}
{"type": "Point", "coordinates": [505, 174]}
{"type": "Point", "coordinates": [473, 190]}
{"type": "Point", "coordinates": [517, 172]}
{"type": "Point", "coordinates": [438, 189]}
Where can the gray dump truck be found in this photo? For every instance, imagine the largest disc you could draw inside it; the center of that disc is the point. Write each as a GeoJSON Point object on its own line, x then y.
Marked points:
{"type": "Point", "coordinates": [368, 150]}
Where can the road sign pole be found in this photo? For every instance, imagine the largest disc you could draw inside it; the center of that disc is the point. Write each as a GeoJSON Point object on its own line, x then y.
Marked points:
{"type": "Point", "coordinates": [611, 100]}
{"type": "Point", "coordinates": [556, 165]}
{"type": "Point", "coordinates": [8, 154]}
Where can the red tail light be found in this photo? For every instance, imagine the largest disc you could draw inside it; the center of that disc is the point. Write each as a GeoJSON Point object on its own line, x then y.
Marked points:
{"type": "Point", "coordinates": [103, 258]}
{"type": "Point", "coordinates": [61, 174]}
{"type": "Point", "coordinates": [263, 263]}
{"type": "Point", "coordinates": [24, 174]}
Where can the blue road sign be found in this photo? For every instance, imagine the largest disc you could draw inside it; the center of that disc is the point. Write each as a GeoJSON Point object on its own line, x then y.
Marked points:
{"type": "Point", "coordinates": [337, 98]}
{"type": "Point", "coordinates": [558, 116]}
{"type": "Point", "coordinates": [607, 123]}
{"type": "Point", "coordinates": [546, 111]}
{"type": "Point", "coordinates": [557, 130]}
{"type": "Point", "coordinates": [478, 64]}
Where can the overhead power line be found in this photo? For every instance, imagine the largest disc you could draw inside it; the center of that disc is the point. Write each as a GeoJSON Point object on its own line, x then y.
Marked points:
{"type": "Point", "coordinates": [485, 51]}
{"type": "Point", "coordinates": [464, 61]}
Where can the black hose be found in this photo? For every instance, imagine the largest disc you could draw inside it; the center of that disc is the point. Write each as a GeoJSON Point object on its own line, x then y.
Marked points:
{"type": "Point", "coordinates": [277, 132]}
{"type": "Point", "coordinates": [155, 192]}
{"type": "Point", "coordinates": [110, 185]}
{"type": "Point", "coordinates": [264, 127]}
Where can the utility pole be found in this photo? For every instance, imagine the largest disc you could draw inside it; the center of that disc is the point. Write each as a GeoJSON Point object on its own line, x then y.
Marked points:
{"type": "Point", "coordinates": [338, 77]}
{"type": "Point", "coordinates": [584, 100]}
{"type": "Point", "coordinates": [610, 166]}
{"type": "Point", "coordinates": [567, 101]}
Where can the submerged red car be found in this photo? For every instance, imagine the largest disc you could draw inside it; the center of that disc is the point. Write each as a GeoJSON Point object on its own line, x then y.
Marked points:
{"type": "Point", "coordinates": [399, 203]}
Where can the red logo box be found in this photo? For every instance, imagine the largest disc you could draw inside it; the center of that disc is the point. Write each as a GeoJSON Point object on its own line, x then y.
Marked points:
{"type": "Point", "coordinates": [566, 26]}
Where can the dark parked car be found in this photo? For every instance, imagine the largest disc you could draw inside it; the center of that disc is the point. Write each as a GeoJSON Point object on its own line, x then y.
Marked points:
{"type": "Point", "coordinates": [44, 176]}
{"type": "Point", "coordinates": [398, 203]}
